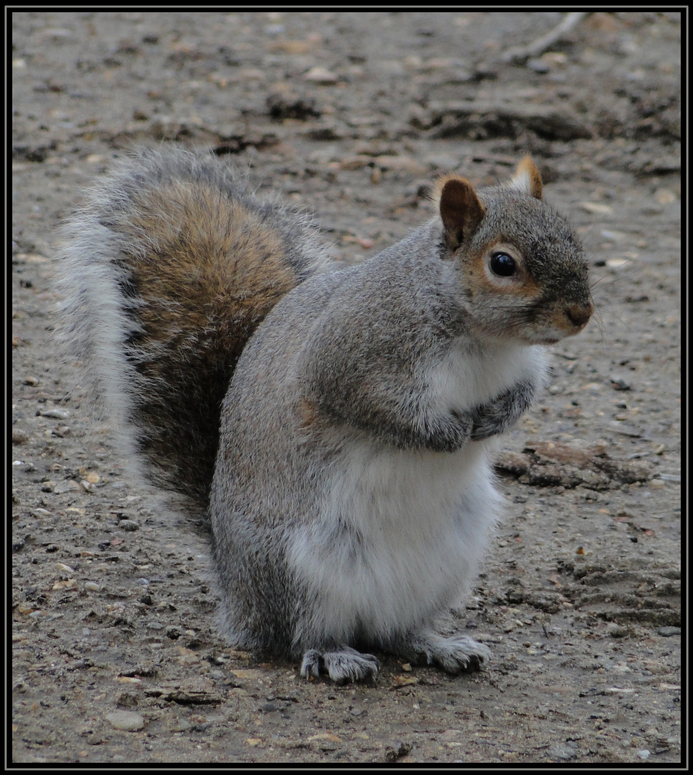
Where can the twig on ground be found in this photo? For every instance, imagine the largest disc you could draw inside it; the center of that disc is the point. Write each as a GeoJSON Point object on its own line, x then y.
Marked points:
{"type": "Point", "coordinates": [520, 54]}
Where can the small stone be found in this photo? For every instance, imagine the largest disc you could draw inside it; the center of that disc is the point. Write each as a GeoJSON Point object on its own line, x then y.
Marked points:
{"type": "Point", "coordinates": [618, 383]}
{"type": "Point", "coordinates": [355, 162]}
{"type": "Point", "coordinates": [596, 207]}
{"type": "Point", "coordinates": [69, 584]}
{"type": "Point", "coordinates": [57, 414]}
{"type": "Point", "coordinates": [562, 752]}
{"type": "Point", "coordinates": [125, 720]}
{"type": "Point", "coordinates": [56, 34]}
{"type": "Point", "coordinates": [538, 66]}
{"type": "Point", "coordinates": [397, 751]}
{"type": "Point", "coordinates": [180, 725]}
{"type": "Point", "coordinates": [321, 75]}
{"type": "Point", "coordinates": [41, 513]}
{"type": "Point", "coordinates": [616, 630]}
{"type": "Point", "coordinates": [126, 699]}
{"type": "Point", "coordinates": [614, 236]}
{"type": "Point", "coordinates": [668, 632]}
{"type": "Point", "coordinates": [664, 196]}
{"type": "Point", "coordinates": [65, 486]}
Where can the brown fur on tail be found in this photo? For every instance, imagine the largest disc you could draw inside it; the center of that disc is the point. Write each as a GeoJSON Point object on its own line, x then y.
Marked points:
{"type": "Point", "coordinates": [189, 264]}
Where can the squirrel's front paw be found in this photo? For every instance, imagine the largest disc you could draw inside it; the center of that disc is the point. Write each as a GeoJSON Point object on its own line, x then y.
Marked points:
{"type": "Point", "coordinates": [448, 432]}
{"type": "Point", "coordinates": [342, 666]}
{"type": "Point", "coordinates": [503, 412]}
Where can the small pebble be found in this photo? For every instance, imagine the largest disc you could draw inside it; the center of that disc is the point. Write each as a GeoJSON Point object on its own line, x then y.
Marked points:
{"type": "Point", "coordinates": [562, 752]}
{"type": "Point", "coordinates": [19, 437]}
{"type": "Point", "coordinates": [616, 630]}
{"type": "Point", "coordinates": [125, 720]}
{"type": "Point", "coordinates": [40, 513]}
{"type": "Point", "coordinates": [57, 414]}
{"type": "Point", "coordinates": [65, 486]}
{"type": "Point", "coordinates": [538, 66]}
{"type": "Point", "coordinates": [618, 383]}
{"type": "Point", "coordinates": [668, 632]}
{"type": "Point", "coordinates": [320, 75]}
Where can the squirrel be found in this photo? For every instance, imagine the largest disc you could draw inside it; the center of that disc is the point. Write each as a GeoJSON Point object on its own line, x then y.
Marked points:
{"type": "Point", "coordinates": [336, 424]}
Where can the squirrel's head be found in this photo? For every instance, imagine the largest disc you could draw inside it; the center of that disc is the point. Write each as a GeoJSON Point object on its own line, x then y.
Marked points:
{"type": "Point", "coordinates": [524, 273]}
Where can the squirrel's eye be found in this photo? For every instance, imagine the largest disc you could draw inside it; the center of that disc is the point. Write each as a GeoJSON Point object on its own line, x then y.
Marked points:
{"type": "Point", "coordinates": [502, 264]}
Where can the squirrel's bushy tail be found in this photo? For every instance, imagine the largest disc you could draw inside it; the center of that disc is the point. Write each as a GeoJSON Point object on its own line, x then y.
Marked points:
{"type": "Point", "coordinates": [165, 273]}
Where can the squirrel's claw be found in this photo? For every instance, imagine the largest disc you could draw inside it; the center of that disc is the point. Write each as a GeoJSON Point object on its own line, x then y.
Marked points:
{"type": "Point", "coordinates": [342, 666]}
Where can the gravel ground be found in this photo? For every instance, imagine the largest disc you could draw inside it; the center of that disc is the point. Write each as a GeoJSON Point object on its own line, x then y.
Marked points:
{"type": "Point", "coordinates": [116, 658]}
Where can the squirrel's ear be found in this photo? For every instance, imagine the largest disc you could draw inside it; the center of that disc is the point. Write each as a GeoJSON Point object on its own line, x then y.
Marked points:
{"type": "Point", "coordinates": [527, 178]}
{"type": "Point", "coordinates": [460, 208]}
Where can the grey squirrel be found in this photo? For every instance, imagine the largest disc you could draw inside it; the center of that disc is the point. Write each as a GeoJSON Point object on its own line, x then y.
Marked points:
{"type": "Point", "coordinates": [337, 424]}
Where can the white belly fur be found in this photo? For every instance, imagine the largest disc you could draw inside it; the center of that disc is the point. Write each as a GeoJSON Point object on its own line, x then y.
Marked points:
{"type": "Point", "coordinates": [423, 520]}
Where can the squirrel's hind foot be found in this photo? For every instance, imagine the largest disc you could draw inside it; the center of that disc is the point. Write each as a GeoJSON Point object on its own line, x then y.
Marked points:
{"type": "Point", "coordinates": [454, 654]}
{"type": "Point", "coordinates": [342, 666]}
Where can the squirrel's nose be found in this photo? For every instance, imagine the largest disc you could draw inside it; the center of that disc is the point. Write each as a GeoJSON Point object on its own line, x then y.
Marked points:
{"type": "Point", "coordinates": [579, 314]}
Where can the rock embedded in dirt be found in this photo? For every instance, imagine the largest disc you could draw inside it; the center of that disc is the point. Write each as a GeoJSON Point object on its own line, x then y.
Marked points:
{"type": "Point", "coordinates": [127, 721]}
{"type": "Point", "coordinates": [557, 464]}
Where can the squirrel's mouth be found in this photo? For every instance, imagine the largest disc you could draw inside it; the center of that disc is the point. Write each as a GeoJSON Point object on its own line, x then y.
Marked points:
{"type": "Point", "coordinates": [547, 337]}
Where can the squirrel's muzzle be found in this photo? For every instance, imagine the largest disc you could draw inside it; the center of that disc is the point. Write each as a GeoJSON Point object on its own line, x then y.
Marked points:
{"type": "Point", "coordinates": [579, 315]}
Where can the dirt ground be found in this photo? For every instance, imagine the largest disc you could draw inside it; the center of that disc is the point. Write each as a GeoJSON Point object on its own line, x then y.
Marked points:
{"type": "Point", "coordinates": [116, 657]}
